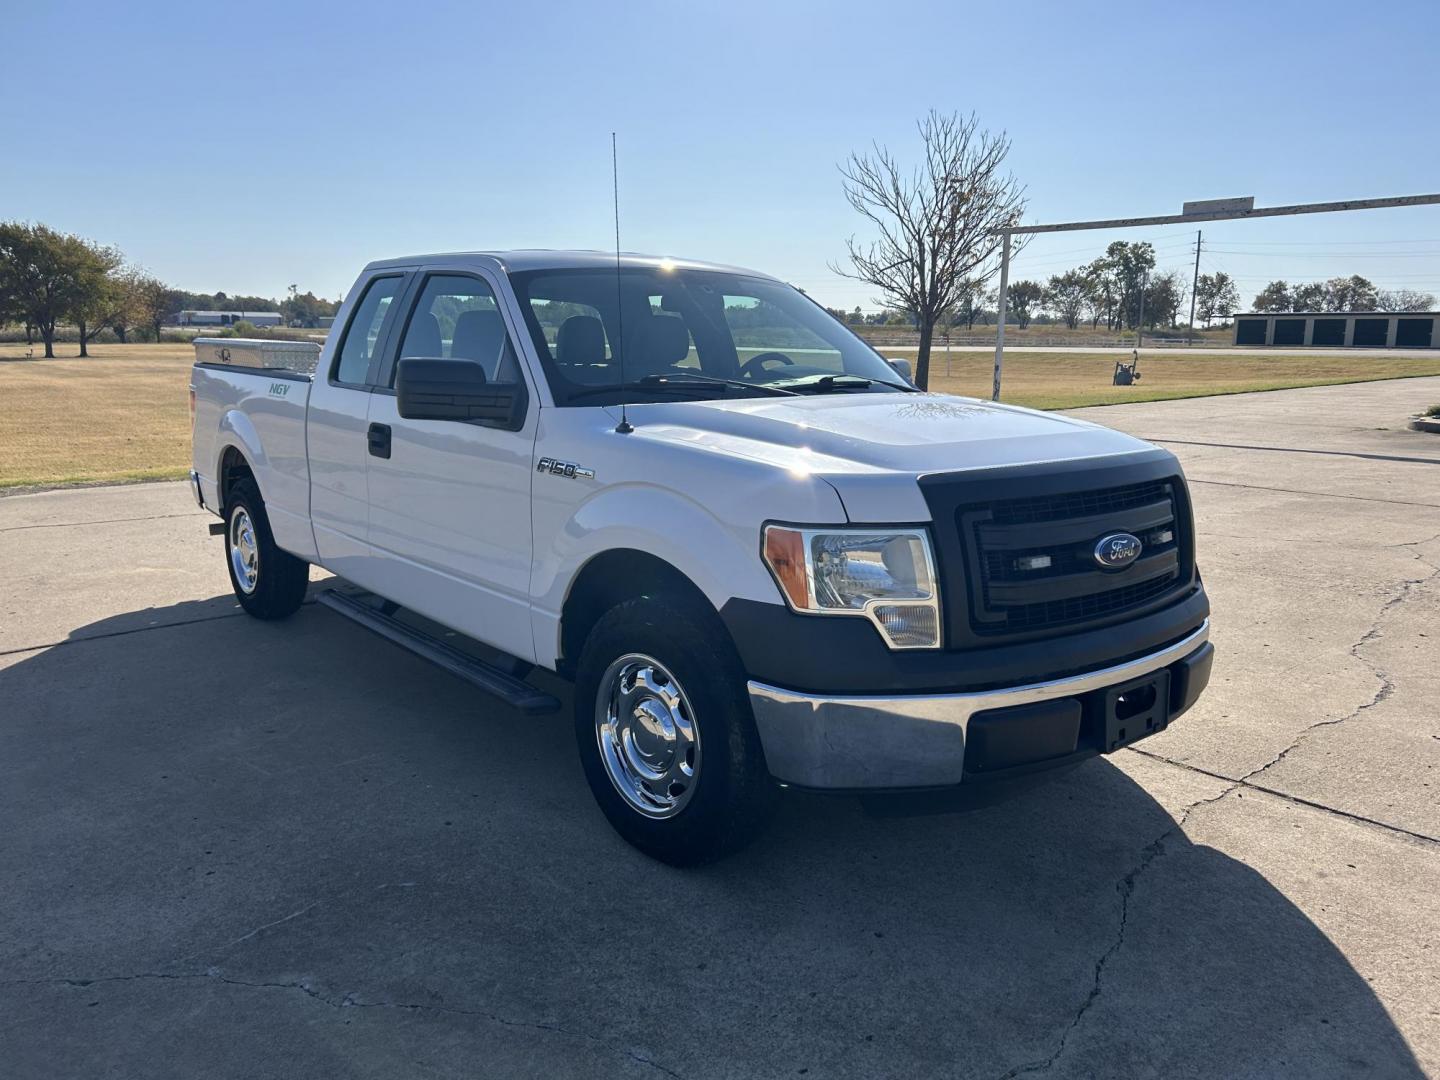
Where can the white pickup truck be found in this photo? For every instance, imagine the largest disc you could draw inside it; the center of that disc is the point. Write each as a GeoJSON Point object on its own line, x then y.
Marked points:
{"type": "Point", "coordinates": [762, 556]}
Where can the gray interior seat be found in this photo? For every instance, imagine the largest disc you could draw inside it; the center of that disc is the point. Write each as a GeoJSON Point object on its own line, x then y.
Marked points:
{"type": "Point", "coordinates": [479, 336]}
{"type": "Point", "coordinates": [580, 341]}
{"type": "Point", "coordinates": [423, 337]}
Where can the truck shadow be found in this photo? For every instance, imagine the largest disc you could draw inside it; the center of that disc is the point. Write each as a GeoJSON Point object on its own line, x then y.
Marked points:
{"type": "Point", "coordinates": [302, 804]}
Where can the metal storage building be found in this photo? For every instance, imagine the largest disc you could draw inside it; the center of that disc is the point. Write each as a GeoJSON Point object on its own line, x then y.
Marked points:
{"type": "Point", "coordinates": [1340, 329]}
{"type": "Point", "coordinates": [227, 318]}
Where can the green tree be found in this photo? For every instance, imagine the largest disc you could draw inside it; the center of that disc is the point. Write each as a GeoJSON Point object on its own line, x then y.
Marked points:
{"type": "Point", "coordinates": [937, 227]}
{"type": "Point", "coordinates": [1308, 297]}
{"type": "Point", "coordinates": [1129, 265]}
{"type": "Point", "coordinates": [1066, 294]}
{"type": "Point", "coordinates": [155, 302]}
{"type": "Point", "coordinates": [1022, 297]}
{"type": "Point", "coordinates": [101, 295]}
{"type": "Point", "coordinates": [1102, 293]}
{"type": "Point", "coordinates": [1354, 293]}
{"type": "Point", "coordinates": [50, 275]}
{"type": "Point", "coordinates": [128, 311]}
{"type": "Point", "coordinates": [1216, 295]}
{"type": "Point", "coordinates": [1274, 297]}
{"type": "Point", "coordinates": [1163, 296]}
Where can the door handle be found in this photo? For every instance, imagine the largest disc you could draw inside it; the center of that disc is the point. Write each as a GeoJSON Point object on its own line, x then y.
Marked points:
{"type": "Point", "coordinates": [379, 439]}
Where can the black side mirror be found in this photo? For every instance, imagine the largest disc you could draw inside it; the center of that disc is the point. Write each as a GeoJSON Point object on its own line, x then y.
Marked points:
{"type": "Point", "coordinates": [434, 389]}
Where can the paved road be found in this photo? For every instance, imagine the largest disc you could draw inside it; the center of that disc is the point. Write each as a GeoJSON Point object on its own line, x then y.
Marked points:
{"type": "Point", "coordinates": [234, 849]}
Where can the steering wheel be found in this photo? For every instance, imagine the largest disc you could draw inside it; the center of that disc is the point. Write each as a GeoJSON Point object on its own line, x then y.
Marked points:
{"type": "Point", "coordinates": [756, 364]}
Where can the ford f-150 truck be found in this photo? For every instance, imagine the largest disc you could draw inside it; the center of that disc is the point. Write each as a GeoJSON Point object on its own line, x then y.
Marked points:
{"type": "Point", "coordinates": [763, 557]}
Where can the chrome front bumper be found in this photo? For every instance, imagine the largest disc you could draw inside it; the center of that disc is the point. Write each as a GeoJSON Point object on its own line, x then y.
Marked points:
{"type": "Point", "coordinates": [872, 741]}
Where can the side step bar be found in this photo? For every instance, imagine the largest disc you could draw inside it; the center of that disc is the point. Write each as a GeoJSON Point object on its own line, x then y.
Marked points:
{"type": "Point", "coordinates": [516, 693]}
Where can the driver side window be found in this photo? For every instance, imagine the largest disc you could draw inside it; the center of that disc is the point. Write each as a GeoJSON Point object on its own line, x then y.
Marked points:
{"type": "Point", "coordinates": [456, 318]}
{"type": "Point", "coordinates": [759, 327]}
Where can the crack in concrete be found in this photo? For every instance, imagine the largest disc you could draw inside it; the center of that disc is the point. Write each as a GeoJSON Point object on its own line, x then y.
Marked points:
{"type": "Point", "coordinates": [109, 521]}
{"type": "Point", "coordinates": [1387, 683]}
{"type": "Point", "coordinates": [1152, 851]}
{"type": "Point", "coordinates": [1288, 797]}
{"type": "Point", "coordinates": [135, 630]}
{"type": "Point", "coordinates": [352, 1001]}
{"type": "Point", "coordinates": [1126, 888]}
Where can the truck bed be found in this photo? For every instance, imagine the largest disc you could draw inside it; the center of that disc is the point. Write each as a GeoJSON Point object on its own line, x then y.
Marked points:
{"type": "Point", "coordinates": [251, 396]}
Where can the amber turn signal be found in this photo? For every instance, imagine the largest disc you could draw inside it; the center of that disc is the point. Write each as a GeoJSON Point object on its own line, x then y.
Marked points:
{"type": "Point", "coordinates": [785, 555]}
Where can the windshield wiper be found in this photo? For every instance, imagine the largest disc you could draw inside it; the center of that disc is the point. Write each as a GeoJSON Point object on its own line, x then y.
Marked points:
{"type": "Point", "coordinates": [688, 376]}
{"type": "Point", "coordinates": [827, 383]}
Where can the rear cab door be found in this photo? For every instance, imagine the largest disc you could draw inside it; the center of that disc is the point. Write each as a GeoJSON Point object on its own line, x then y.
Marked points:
{"type": "Point", "coordinates": [337, 425]}
{"type": "Point", "coordinates": [450, 523]}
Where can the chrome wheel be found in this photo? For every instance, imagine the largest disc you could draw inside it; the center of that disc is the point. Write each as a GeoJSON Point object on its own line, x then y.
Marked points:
{"type": "Point", "coordinates": [647, 736]}
{"type": "Point", "coordinates": [244, 550]}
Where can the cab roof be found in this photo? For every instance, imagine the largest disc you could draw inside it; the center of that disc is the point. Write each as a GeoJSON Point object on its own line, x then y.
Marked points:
{"type": "Point", "coordinates": [556, 259]}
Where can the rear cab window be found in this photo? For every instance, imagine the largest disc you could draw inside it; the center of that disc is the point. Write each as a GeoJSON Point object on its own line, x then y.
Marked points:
{"type": "Point", "coordinates": [364, 331]}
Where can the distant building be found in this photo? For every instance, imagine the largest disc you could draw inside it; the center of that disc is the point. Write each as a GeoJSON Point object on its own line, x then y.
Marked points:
{"type": "Point", "coordinates": [1340, 329]}
{"type": "Point", "coordinates": [325, 322]}
{"type": "Point", "coordinates": [227, 318]}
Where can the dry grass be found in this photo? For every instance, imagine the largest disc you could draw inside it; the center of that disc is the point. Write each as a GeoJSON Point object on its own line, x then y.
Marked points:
{"type": "Point", "coordinates": [1070, 379]}
{"type": "Point", "coordinates": [123, 414]}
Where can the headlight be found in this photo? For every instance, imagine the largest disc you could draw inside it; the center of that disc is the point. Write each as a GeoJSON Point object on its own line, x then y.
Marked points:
{"type": "Point", "coordinates": [886, 576]}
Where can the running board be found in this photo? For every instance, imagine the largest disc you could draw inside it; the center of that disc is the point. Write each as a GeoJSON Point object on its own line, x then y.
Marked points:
{"type": "Point", "coordinates": [515, 692]}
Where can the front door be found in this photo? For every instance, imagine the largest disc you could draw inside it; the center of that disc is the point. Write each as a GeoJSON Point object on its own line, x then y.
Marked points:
{"type": "Point", "coordinates": [450, 505]}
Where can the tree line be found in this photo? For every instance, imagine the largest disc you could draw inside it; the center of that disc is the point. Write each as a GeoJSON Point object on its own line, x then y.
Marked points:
{"type": "Point", "coordinates": [50, 278]}
{"type": "Point", "coordinates": [1353, 293]}
{"type": "Point", "coordinates": [1120, 289]}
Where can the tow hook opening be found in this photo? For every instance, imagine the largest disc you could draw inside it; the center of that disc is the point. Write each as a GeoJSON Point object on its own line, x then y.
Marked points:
{"type": "Point", "coordinates": [1134, 702]}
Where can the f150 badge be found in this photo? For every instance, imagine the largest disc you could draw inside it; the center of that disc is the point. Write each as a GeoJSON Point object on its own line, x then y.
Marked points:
{"type": "Point", "coordinates": [564, 468]}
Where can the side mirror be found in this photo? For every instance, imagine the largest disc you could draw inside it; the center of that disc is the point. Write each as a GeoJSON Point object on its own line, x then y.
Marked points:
{"type": "Point", "coordinates": [434, 389]}
{"type": "Point", "coordinates": [902, 368]}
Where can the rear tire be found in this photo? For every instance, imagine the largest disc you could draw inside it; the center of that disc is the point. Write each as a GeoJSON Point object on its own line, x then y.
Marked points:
{"type": "Point", "coordinates": [268, 582]}
{"type": "Point", "coordinates": [665, 733]}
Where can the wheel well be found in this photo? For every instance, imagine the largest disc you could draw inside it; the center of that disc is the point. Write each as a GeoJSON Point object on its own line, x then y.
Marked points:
{"type": "Point", "coordinates": [233, 468]}
{"type": "Point", "coordinates": [607, 580]}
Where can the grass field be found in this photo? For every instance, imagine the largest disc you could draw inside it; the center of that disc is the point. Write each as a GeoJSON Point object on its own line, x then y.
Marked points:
{"type": "Point", "coordinates": [124, 414]}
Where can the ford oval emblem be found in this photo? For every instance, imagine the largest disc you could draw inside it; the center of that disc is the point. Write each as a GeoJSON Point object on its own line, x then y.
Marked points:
{"type": "Point", "coordinates": [1117, 551]}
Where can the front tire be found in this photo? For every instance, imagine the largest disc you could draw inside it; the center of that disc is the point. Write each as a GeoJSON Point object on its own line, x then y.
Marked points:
{"type": "Point", "coordinates": [665, 733]}
{"type": "Point", "coordinates": [268, 582]}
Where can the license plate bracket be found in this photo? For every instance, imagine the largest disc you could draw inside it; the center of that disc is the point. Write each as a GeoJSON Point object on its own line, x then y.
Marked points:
{"type": "Point", "coordinates": [1135, 710]}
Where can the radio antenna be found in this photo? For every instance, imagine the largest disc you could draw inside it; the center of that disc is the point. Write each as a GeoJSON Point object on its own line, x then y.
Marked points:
{"type": "Point", "coordinates": [623, 427]}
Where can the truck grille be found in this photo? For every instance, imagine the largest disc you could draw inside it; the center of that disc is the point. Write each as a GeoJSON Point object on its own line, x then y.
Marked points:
{"type": "Point", "coordinates": [1032, 558]}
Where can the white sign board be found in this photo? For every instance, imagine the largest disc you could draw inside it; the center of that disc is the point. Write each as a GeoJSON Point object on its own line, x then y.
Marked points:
{"type": "Point", "coordinates": [1219, 206]}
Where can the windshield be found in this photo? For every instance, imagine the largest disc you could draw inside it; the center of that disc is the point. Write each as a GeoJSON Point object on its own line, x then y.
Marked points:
{"type": "Point", "coordinates": [669, 334]}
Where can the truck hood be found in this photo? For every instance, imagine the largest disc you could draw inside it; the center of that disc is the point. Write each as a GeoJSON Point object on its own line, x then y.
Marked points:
{"type": "Point", "coordinates": [872, 447]}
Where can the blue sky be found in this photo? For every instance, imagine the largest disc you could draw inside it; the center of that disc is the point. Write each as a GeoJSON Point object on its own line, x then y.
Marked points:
{"type": "Point", "coordinates": [245, 147]}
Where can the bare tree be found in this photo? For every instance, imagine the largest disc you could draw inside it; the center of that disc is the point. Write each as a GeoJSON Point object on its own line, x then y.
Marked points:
{"type": "Point", "coordinates": [937, 223]}
{"type": "Point", "coordinates": [1405, 300]}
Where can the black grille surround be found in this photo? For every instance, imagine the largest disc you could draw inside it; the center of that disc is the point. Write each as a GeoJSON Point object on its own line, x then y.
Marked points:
{"type": "Point", "coordinates": [990, 525]}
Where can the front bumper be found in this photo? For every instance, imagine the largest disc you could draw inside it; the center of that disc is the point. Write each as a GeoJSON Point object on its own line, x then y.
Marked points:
{"type": "Point", "coordinates": [879, 743]}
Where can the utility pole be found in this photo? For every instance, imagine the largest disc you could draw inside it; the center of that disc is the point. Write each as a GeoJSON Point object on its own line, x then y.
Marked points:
{"type": "Point", "coordinates": [1140, 322]}
{"type": "Point", "coordinates": [1000, 313]}
{"type": "Point", "coordinates": [1194, 284]}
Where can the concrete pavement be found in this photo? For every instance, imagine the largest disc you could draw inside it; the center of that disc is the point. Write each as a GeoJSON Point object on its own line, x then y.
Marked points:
{"type": "Point", "coordinates": [253, 850]}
